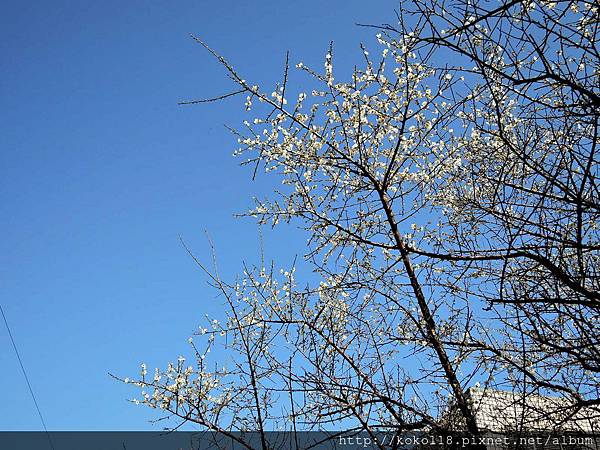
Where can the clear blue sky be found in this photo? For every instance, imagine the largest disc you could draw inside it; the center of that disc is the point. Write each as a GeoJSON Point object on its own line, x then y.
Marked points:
{"type": "Point", "coordinates": [101, 171]}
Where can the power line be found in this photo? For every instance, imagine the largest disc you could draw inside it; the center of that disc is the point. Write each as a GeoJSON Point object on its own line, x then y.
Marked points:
{"type": "Point", "coordinates": [26, 378]}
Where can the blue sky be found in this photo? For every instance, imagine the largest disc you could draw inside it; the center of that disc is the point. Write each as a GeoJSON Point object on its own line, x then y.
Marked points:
{"type": "Point", "coordinates": [101, 171]}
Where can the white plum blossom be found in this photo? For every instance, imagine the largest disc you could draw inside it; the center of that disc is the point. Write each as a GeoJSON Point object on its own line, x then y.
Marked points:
{"type": "Point", "coordinates": [450, 205]}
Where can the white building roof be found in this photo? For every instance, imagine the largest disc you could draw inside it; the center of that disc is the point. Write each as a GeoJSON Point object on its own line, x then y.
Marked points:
{"type": "Point", "coordinates": [504, 411]}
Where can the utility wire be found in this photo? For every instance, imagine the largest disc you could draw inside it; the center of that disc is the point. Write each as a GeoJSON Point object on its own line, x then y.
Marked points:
{"type": "Point", "coordinates": [26, 378]}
